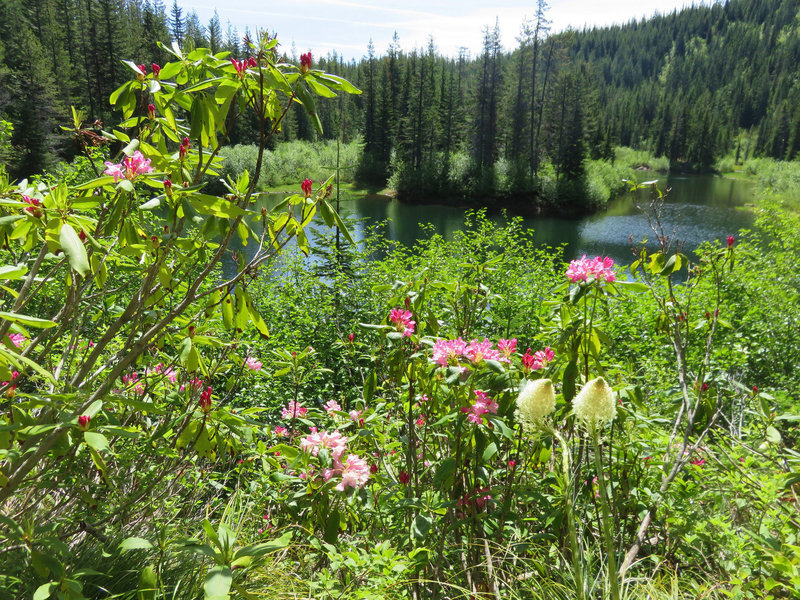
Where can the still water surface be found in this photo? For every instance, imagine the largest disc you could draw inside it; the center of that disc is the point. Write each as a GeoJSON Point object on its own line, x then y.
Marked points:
{"type": "Point", "coordinates": [701, 207]}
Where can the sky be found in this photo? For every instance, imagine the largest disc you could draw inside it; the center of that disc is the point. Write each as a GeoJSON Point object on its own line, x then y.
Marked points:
{"type": "Point", "coordinates": [346, 26]}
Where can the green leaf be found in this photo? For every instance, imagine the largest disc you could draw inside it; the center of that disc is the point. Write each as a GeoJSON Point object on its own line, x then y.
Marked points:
{"type": "Point", "coordinates": [95, 440]}
{"type": "Point", "coordinates": [74, 249]}
{"type": "Point", "coordinates": [44, 591]}
{"type": "Point", "coordinates": [26, 320]}
{"type": "Point", "coordinates": [773, 435]}
{"type": "Point", "coordinates": [218, 583]}
{"type": "Point", "coordinates": [421, 527]}
{"type": "Point", "coordinates": [332, 527]}
{"type": "Point", "coordinates": [148, 584]}
{"type": "Point", "coordinates": [13, 272]}
{"type": "Point", "coordinates": [265, 547]}
{"type": "Point", "coordinates": [135, 543]}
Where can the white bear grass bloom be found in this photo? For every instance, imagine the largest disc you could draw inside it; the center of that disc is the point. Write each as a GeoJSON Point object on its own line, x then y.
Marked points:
{"type": "Point", "coordinates": [595, 405]}
{"type": "Point", "coordinates": [536, 400]}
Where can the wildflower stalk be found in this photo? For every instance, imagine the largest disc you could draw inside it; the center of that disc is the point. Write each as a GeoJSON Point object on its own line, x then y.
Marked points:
{"type": "Point", "coordinates": [566, 468]}
{"type": "Point", "coordinates": [606, 516]}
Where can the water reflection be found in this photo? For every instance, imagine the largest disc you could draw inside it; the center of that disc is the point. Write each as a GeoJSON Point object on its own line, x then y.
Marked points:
{"type": "Point", "coordinates": [700, 207]}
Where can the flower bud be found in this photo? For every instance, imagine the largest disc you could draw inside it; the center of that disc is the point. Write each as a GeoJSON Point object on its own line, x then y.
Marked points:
{"type": "Point", "coordinates": [731, 241]}
{"type": "Point", "coordinates": [536, 400]}
{"type": "Point", "coordinates": [595, 404]}
{"type": "Point", "coordinates": [305, 62]}
{"type": "Point", "coordinates": [191, 331]}
{"type": "Point", "coordinates": [168, 187]}
{"type": "Point", "coordinates": [151, 111]}
{"type": "Point", "coordinates": [156, 70]}
{"type": "Point", "coordinates": [306, 187]}
{"type": "Point", "coordinates": [83, 422]}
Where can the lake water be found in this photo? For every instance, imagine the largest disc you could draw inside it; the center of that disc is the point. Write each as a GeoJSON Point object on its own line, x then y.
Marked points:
{"type": "Point", "coordinates": [701, 207]}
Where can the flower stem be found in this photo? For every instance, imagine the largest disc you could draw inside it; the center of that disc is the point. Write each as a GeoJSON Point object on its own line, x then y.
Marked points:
{"type": "Point", "coordinates": [606, 516]}
{"type": "Point", "coordinates": [566, 467]}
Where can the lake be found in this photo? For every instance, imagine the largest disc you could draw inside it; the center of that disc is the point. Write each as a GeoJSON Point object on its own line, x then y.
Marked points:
{"type": "Point", "coordinates": [701, 207]}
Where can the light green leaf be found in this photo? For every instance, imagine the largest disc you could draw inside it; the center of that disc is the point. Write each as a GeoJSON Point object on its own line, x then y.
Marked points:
{"type": "Point", "coordinates": [135, 543]}
{"type": "Point", "coordinates": [218, 583]}
{"type": "Point", "coordinates": [95, 440]}
{"type": "Point", "coordinates": [74, 249]}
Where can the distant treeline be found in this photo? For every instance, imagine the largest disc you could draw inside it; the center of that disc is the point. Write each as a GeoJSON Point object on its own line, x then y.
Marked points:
{"type": "Point", "coordinates": [692, 86]}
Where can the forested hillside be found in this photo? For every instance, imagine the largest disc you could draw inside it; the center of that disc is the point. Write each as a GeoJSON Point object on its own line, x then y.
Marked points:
{"type": "Point", "coordinates": [510, 122]}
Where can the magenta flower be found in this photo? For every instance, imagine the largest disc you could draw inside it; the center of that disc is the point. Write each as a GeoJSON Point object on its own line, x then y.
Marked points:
{"type": "Point", "coordinates": [305, 62]}
{"type": "Point", "coordinates": [129, 168]}
{"type": "Point", "coordinates": [293, 410]}
{"type": "Point", "coordinates": [205, 400]}
{"type": "Point", "coordinates": [402, 321]}
{"type": "Point", "coordinates": [184, 149]}
{"type": "Point", "coordinates": [507, 348]}
{"type": "Point", "coordinates": [483, 405]}
{"type": "Point", "coordinates": [83, 422]}
{"type": "Point", "coordinates": [252, 364]}
{"type": "Point", "coordinates": [156, 70]}
{"type": "Point", "coordinates": [599, 268]}
{"type": "Point", "coordinates": [241, 66]}
{"type": "Point", "coordinates": [731, 241]}
{"type": "Point", "coordinates": [448, 352]}
{"type": "Point", "coordinates": [17, 339]}
{"type": "Point", "coordinates": [306, 187]}
{"type": "Point", "coordinates": [281, 431]}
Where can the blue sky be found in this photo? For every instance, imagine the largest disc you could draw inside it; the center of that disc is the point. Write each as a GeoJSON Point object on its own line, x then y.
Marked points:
{"type": "Point", "coordinates": [347, 25]}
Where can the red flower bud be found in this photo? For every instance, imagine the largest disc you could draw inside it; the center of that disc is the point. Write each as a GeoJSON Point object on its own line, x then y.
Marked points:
{"type": "Point", "coordinates": [731, 241]}
{"type": "Point", "coordinates": [82, 235]}
{"type": "Point", "coordinates": [83, 422]}
{"type": "Point", "coordinates": [156, 70]}
{"type": "Point", "coordinates": [151, 111]}
{"type": "Point", "coordinates": [252, 62]}
{"type": "Point", "coordinates": [168, 187]}
{"type": "Point", "coordinates": [191, 331]}
{"type": "Point", "coordinates": [373, 468]}
{"type": "Point", "coordinates": [306, 187]}
{"type": "Point", "coordinates": [404, 478]}
{"type": "Point", "coordinates": [305, 62]}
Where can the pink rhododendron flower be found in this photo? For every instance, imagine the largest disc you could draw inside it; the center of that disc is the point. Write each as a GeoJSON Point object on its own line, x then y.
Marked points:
{"type": "Point", "coordinates": [699, 462]}
{"type": "Point", "coordinates": [293, 410]}
{"type": "Point", "coordinates": [332, 406]}
{"type": "Point", "coordinates": [17, 339]}
{"type": "Point", "coordinates": [315, 440]}
{"type": "Point", "coordinates": [355, 415]}
{"type": "Point", "coordinates": [355, 473]}
{"type": "Point", "coordinates": [600, 268]}
{"type": "Point", "coordinates": [448, 352]}
{"type": "Point", "coordinates": [402, 321]}
{"type": "Point", "coordinates": [280, 431]}
{"type": "Point", "coordinates": [507, 348]}
{"type": "Point", "coordinates": [129, 168]}
{"type": "Point", "coordinates": [479, 351]}
{"type": "Point", "coordinates": [483, 405]}
{"type": "Point", "coordinates": [252, 364]}
{"type": "Point", "coordinates": [184, 149]}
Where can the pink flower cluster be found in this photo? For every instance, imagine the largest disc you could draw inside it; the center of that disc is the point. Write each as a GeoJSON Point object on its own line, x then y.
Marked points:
{"type": "Point", "coordinates": [599, 268]}
{"type": "Point", "coordinates": [306, 186]}
{"type": "Point", "coordinates": [253, 364]}
{"type": "Point", "coordinates": [205, 400]}
{"type": "Point", "coordinates": [305, 62]}
{"type": "Point", "coordinates": [537, 360]}
{"type": "Point", "coordinates": [293, 410]}
{"type": "Point", "coordinates": [129, 168]}
{"type": "Point", "coordinates": [483, 405]}
{"type": "Point", "coordinates": [450, 352]}
{"type": "Point", "coordinates": [332, 406]}
{"type": "Point", "coordinates": [402, 321]}
{"type": "Point", "coordinates": [17, 339]}
{"type": "Point", "coordinates": [168, 372]}
{"type": "Point", "coordinates": [354, 470]}
{"type": "Point", "coordinates": [132, 379]}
